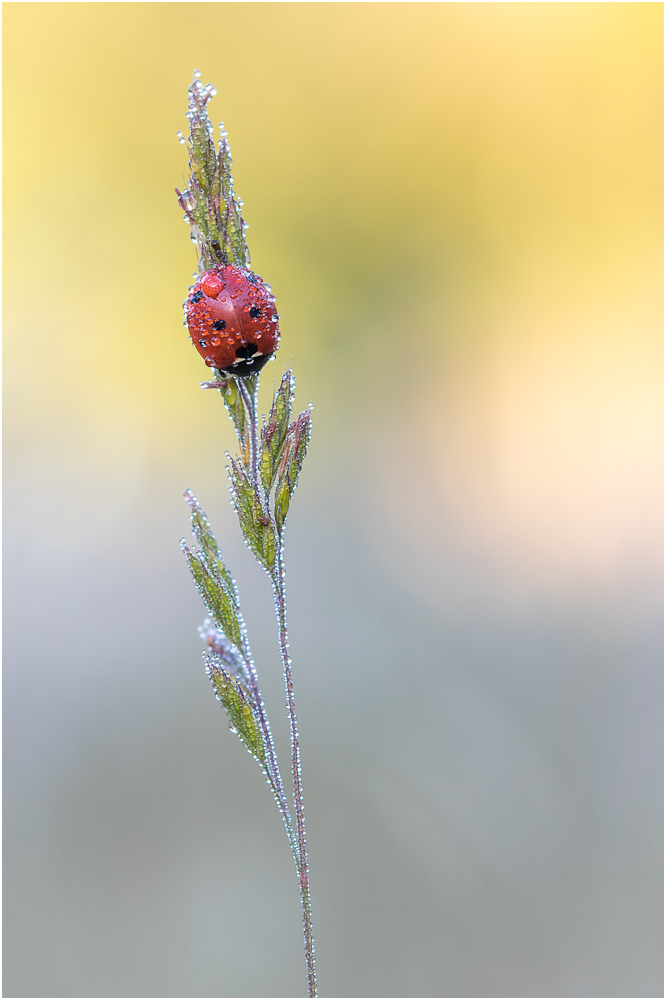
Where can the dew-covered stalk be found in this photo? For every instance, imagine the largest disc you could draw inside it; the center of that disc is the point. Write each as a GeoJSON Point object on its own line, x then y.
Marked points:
{"type": "Point", "coordinates": [280, 593]}
{"type": "Point", "coordinates": [230, 313]}
{"type": "Point", "coordinates": [250, 401]}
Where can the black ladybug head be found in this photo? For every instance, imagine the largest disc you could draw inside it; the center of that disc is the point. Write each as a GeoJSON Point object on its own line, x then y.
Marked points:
{"type": "Point", "coordinates": [246, 351]}
{"type": "Point", "coordinates": [247, 366]}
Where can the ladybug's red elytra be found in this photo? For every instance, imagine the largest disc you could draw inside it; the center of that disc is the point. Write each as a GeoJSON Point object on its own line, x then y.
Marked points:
{"type": "Point", "coordinates": [232, 320]}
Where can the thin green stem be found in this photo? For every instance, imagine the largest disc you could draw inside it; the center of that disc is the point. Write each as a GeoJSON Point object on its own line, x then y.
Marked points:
{"type": "Point", "coordinates": [271, 770]}
{"type": "Point", "coordinates": [298, 845]}
{"type": "Point", "coordinates": [273, 774]}
{"type": "Point", "coordinates": [278, 792]}
{"type": "Point", "coordinates": [302, 865]}
{"type": "Point", "coordinates": [250, 400]}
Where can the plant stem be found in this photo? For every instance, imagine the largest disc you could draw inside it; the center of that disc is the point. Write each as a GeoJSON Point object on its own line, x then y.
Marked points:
{"type": "Point", "coordinates": [303, 874]}
{"type": "Point", "coordinates": [250, 400]}
{"type": "Point", "coordinates": [279, 591]}
{"type": "Point", "coordinates": [272, 770]}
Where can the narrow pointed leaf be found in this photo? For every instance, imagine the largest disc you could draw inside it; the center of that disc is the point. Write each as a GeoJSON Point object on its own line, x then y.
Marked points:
{"type": "Point", "coordinates": [214, 581]}
{"type": "Point", "coordinates": [215, 596]}
{"type": "Point", "coordinates": [209, 548]}
{"type": "Point", "coordinates": [254, 521]}
{"type": "Point", "coordinates": [293, 456]}
{"type": "Point", "coordinates": [274, 433]}
{"type": "Point", "coordinates": [237, 702]}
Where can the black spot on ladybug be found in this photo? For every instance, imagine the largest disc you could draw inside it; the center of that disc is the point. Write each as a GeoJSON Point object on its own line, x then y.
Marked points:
{"type": "Point", "coordinates": [252, 278]}
{"type": "Point", "coordinates": [255, 311]}
{"type": "Point", "coordinates": [197, 297]}
{"type": "Point", "coordinates": [202, 343]}
{"type": "Point", "coordinates": [219, 324]}
{"type": "Point", "coordinates": [247, 351]}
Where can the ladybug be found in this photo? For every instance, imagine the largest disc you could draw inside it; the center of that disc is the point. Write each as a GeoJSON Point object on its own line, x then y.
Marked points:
{"type": "Point", "coordinates": [232, 320]}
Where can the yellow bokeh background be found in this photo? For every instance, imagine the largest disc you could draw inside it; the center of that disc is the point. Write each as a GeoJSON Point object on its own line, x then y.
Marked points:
{"type": "Point", "coordinates": [458, 206]}
{"type": "Point", "coordinates": [463, 197]}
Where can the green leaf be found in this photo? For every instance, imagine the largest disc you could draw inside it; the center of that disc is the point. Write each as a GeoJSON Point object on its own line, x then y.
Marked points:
{"type": "Point", "coordinates": [293, 456]}
{"type": "Point", "coordinates": [282, 498]}
{"type": "Point", "coordinates": [215, 596]}
{"type": "Point", "coordinates": [214, 581]}
{"type": "Point", "coordinates": [238, 704]}
{"type": "Point", "coordinates": [274, 432]}
{"type": "Point", "coordinates": [254, 520]}
{"type": "Point", "coordinates": [202, 532]}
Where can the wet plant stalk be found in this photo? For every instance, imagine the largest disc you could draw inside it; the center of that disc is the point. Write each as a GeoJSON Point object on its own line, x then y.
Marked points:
{"type": "Point", "coordinates": [250, 400]}
{"type": "Point", "coordinates": [279, 591]}
{"type": "Point", "coordinates": [262, 480]}
{"type": "Point", "coordinates": [303, 873]}
{"type": "Point", "coordinates": [272, 770]}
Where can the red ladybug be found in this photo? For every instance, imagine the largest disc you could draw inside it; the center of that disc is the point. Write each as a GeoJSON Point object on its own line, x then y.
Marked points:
{"type": "Point", "coordinates": [232, 320]}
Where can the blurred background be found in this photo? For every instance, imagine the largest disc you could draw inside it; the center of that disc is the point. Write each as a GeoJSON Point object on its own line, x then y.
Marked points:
{"type": "Point", "coordinates": [458, 208]}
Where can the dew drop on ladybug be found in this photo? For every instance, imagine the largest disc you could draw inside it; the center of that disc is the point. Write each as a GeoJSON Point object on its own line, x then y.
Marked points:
{"type": "Point", "coordinates": [246, 314]}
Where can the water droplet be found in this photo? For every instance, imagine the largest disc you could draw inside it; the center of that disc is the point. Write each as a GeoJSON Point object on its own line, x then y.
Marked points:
{"type": "Point", "coordinates": [196, 74]}
{"type": "Point", "coordinates": [180, 136]}
{"type": "Point", "coordinates": [212, 285]}
{"type": "Point", "coordinates": [215, 341]}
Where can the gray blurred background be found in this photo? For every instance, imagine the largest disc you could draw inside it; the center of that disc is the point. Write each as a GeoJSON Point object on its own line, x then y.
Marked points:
{"type": "Point", "coordinates": [457, 206]}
